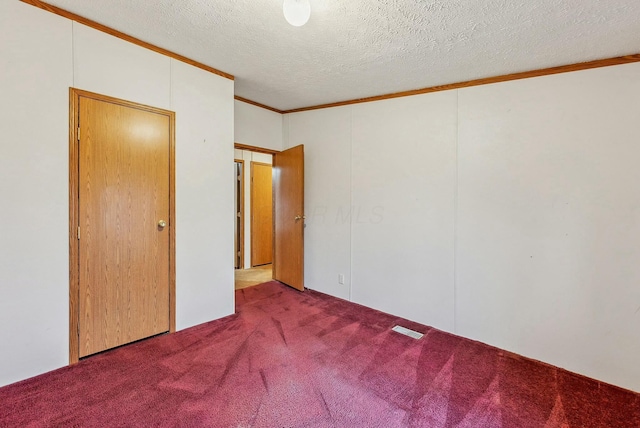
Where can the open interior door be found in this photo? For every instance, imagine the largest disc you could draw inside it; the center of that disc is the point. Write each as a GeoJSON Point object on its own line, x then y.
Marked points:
{"type": "Point", "coordinates": [288, 217]}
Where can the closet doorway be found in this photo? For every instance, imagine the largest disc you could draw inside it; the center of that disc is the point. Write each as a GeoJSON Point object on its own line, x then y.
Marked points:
{"type": "Point", "coordinates": [121, 241]}
{"type": "Point", "coordinates": [261, 214]}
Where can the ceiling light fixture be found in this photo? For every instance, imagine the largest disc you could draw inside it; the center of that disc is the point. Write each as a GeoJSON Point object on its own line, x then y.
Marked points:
{"type": "Point", "coordinates": [296, 12]}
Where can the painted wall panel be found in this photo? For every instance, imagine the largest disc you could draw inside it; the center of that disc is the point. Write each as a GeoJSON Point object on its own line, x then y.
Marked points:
{"type": "Point", "coordinates": [403, 185]}
{"type": "Point", "coordinates": [36, 73]}
{"type": "Point", "coordinates": [326, 135]}
{"type": "Point", "coordinates": [203, 103]}
{"type": "Point", "coordinates": [110, 66]}
{"type": "Point", "coordinates": [256, 126]}
{"type": "Point", "coordinates": [548, 262]}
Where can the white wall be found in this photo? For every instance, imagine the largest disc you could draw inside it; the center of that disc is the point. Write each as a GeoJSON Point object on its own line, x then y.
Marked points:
{"type": "Point", "coordinates": [203, 103]}
{"type": "Point", "coordinates": [248, 157]}
{"type": "Point", "coordinates": [548, 261]}
{"type": "Point", "coordinates": [510, 213]}
{"type": "Point", "coordinates": [256, 126]}
{"type": "Point", "coordinates": [110, 66]}
{"type": "Point", "coordinates": [403, 190]}
{"type": "Point", "coordinates": [35, 75]}
{"type": "Point", "coordinates": [379, 199]}
{"type": "Point", "coordinates": [326, 135]}
{"type": "Point", "coordinates": [42, 56]}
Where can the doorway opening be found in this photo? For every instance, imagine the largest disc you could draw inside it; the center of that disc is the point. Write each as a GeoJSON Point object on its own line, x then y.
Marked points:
{"type": "Point", "coordinates": [253, 192]}
{"type": "Point", "coordinates": [272, 235]}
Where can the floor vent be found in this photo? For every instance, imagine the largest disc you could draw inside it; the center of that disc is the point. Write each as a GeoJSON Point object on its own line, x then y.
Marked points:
{"type": "Point", "coordinates": [407, 332]}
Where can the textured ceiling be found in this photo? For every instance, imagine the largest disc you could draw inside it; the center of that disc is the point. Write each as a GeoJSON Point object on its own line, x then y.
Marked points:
{"type": "Point", "coordinates": [360, 48]}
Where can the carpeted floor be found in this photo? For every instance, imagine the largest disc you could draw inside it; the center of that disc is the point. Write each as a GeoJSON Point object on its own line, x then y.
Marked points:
{"type": "Point", "coordinates": [291, 359]}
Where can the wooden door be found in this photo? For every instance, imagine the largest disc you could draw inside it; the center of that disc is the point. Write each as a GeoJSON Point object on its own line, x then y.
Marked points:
{"type": "Point", "coordinates": [124, 219]}
{"type": "Point", "coordinates": [288, 195]}
{"type": "Point", "coordinates": [261, 214]}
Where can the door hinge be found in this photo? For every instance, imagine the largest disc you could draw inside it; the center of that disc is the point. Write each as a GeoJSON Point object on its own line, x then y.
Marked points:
{"type": "Point", "coordinates": [78, 232]}
{"type": "Point", "coordinates": [78, 133]}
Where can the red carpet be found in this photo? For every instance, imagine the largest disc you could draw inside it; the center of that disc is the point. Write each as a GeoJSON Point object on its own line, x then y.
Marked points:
{"type": "Point", "coordinates": [291, 359]}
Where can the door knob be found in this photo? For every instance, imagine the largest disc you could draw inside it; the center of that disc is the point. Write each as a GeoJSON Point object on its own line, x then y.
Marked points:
{"type": "Point", "coordinates": [298, 217]}
{"type": "Point", "coordinates": [162, 224]}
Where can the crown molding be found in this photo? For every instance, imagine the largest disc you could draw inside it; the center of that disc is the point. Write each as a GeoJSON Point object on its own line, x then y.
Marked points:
{"type": "Point", "coordinates": [627, 59]}
{"type": "Point", "coordinates": [248, 101]}
{"type": "Point", "coordinates": [97, 26]}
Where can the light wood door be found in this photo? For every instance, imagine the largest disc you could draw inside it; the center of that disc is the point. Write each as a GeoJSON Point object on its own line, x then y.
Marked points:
{"type": "Point", "coordinates": [288, 194]}
{"type": "Point", "coordinates": [261, 214]}
{"type": "Point", "coordinates": [123, 187]}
